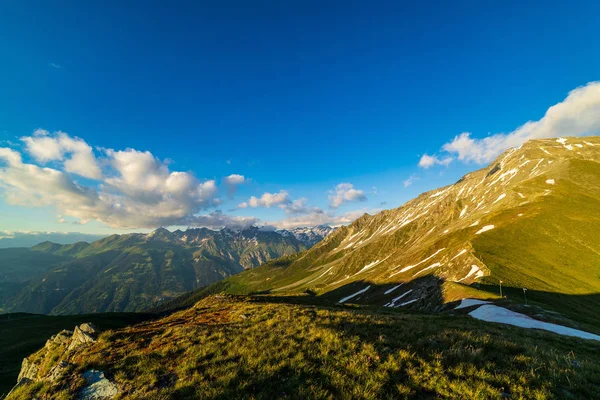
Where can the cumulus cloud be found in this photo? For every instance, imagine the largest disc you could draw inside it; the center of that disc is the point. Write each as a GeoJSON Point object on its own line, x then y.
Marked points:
{"type": "Point", "coordinates": [76, 155]}
{"type": "Point", "coordinates": [136, 191]}
{"type": "Point", "coordinates": [233, 181]}
{"type": "Point", "coordinates": [267, 200]}
{"type": "Point", "coordinates": [344, 193]}
{"type": "Point", "coordinates": [577, 115]}
{"type": "Point", "coordinates": [428, 161]}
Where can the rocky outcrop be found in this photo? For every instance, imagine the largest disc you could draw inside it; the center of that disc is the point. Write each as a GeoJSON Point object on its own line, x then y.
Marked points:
{"type": "Point", "coordinates": [52, 362]}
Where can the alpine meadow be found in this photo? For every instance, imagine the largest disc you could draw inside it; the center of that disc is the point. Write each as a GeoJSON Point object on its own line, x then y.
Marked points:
{"type": "Point", "coordinates": [299, 200]}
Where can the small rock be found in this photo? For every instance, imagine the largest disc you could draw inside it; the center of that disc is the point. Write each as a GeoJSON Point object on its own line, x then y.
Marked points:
{"type": "Point", "coordinates": [28, 371]}
{"type": "Point", "coordinates": [98, 386]}
{"type": "Point", "coordinates": [57, 371]}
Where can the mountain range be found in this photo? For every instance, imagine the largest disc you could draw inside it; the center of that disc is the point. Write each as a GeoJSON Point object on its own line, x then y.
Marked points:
{"type": "Point", "coordinates": [135, 271]}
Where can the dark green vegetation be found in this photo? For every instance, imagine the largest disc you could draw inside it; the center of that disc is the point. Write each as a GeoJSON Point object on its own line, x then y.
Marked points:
{"type": "Point", "coordinates": [22, 334]}
{"type": "Point", "coordinates": [266, 347]}
{"type": "Point", "coordinates": [540, 205]}
{"type": "Point", "coordinates": [130, 272]}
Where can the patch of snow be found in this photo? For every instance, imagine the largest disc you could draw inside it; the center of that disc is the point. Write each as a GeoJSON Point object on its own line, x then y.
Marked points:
{"type": "Point", "coordinates": [434, 265]}
{"type": "Point", "coordinates": [521, 195]}
{"type": "Point", "coordinates": [569, 147]}
{"type": "Point", "coordinates": [561, 141]}
{"type": "Point", "coordinates": [474, 224]}
{"type": "Point", "coordinates": [392, 289]}
{"type": "Point", "coordinates": [345, 299]}
{"type": "Point", "coordinates": [485, 229]}
{"type": "Point", "coordinates": [550, 181]}
{"type": "Point", "coordinates": [479, 274]}
{"type": "Point", "coordinates": [371, 265]}
{"type": "Point", "coordinates": [590, 144]}
{"type": "Point", "coordinates": [545, 151]}
{"type": "Point", "coordinates": [420, 262]}
{"type": "Point", "coordinates": [391, 303]}
{"type": "Point", "coordinates": [408, 302]}
{"type": "Point", "coordinates": [464, 210]}
{"type": "Point", "coordinates": [330, 268]}
{"type": "Point", "coordinates": [463, 251]}
{"type": "Point", "coordinates": [524, 163]}
{"type": "Point", "coordinates": [579, 145]}
{"type": "Point", "coordinates": [464, 303]}
{"type": "Point", "coordinates": [536, 166]}
{"type": "Point", "coordinates": [446, 231]}
{"type": "Point", "coordinates": [491, 313]}
{"type": "Point", "coordinates": [474, 269]}
{"type": "Point", "coordinates": [519, 215]}
{"type": "Point", "coordinates": [503, 195]}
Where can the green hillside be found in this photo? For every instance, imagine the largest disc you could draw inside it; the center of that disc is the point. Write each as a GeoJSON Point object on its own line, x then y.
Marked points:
{"type": "Point", "coordinates": [132, 272]}
{"type": "Point", "coordinates": [531, 219]}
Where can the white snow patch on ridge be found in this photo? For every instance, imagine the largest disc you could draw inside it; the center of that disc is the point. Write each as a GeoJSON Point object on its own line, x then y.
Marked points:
{"type": "Point", "coordinates": [408, 302]}
{"type": "Point", "coordinates": [434, 265]}
{"type": "Point", "coordinates": [503, 195]}
{"type": "Point", "coordinates": [474, 270]}
{"type": "Point", "coordinates": [391, 303]}
{"type": "Point", "coordinates": [485, 229]}
{"type": "Point", "coordinates": [345, 299]}
{"type": "Point", "coordinates": [419, 263]}
{"type": "Point", "coordinates": [491, 313]}
{"type": "Point", "coordinates": [392, 289]}
{"type": "Point", "coordinates": [550, 181]}
{"type": "Point", "coordinates": [464, 303]}
{"type": "Point", "coordinates": [463, 251]}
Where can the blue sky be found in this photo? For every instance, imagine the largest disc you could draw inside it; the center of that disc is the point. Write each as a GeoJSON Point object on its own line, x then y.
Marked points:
{"type": "Point", "coordinates": [297, 97]}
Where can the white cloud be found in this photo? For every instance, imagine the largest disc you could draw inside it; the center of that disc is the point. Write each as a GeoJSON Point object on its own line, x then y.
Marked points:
{"type": "Point", "coordinates": [428, 161]}
{"type": "Point", "coordinates": [577, 115]}
{"type": "Point", "coordinates": [233, 181]}
{"type": "Point", "coordinates": [410, 180]}
{"type": "Point", "coordinates": [320, 218]}
{"type": "Point", "coordinates": [76, 154]}
{"type": "Point", "coordinates": [344, 193]}
{"type": "Point", "coordinates": [267, 200]}
{"type": "Point", "coordinates": [137, 191]}
{"type": "Point", "coordinates": [218, 220]}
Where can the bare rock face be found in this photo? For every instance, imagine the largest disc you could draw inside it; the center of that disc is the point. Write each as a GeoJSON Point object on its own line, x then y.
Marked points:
{"type": "Point", "coordinates": [99, 387]}
{"type": "Point", "coordinates": [85, 333]}
{"type": "Point", "coordinates": [64, 344]}
{"type": "Point", "coordinates": [28, 371]}
{"type": "Point", "coordinates": [57, 371]}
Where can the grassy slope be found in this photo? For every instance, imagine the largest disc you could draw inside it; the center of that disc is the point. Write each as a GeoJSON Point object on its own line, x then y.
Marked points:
{"type": "Point", "coordinates": [22, 334]}
{"type": "Point", "coordinates": [552, 249]}
{"type": "Point", "coordinates": [271, 347]}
